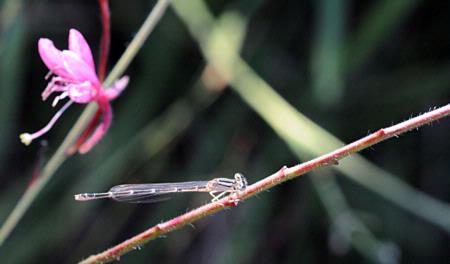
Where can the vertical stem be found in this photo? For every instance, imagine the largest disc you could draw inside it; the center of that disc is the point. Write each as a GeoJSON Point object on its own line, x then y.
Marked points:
{"type": "Point", "coordinates": [104, 52]}
{"type": "Point", "coordinates": [138, 41]}
{"type": "Point", "coordinates": [105, 39]}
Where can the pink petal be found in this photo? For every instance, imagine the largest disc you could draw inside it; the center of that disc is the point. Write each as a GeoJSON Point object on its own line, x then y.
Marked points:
{"type": "Point", "coordinates": [52, 58]}
{"type": "Point", "coordinates": [82, 93]}
{"type": "Point", "coordinates": [79, 70]}
{"type": "Point", "coordinates": [117, 88]}
{"type": "Point", "coordinates": [78, 44]}
{"type": "Point", "coordinates": [100, 130]}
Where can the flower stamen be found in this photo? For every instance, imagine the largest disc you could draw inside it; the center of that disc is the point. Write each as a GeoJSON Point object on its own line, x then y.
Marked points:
{"type": "Point", "coordinates": [48, 75]}
{"type": "Point", "coordinates": [59, 97]}
{"type": "Point", "coordinates": [56, 84]}
{"type": "Point", "coordinates": [26, 138]}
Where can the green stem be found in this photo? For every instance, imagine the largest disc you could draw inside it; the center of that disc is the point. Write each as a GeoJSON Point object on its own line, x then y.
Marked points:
{"type": "Point", "coordinates": [143, 33]}
{"type": "Point", "coordinates": [59, 157]}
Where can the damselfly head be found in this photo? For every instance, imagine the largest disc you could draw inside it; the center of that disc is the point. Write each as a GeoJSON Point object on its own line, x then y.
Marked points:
{"type": "Point", "coordinates": [241, 181]}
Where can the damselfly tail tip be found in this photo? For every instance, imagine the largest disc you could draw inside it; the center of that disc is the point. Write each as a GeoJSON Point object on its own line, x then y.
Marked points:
{"type": "Point", "coordinates": [92, 196]}
{"type": "Point", "coordinates": [82, 197]}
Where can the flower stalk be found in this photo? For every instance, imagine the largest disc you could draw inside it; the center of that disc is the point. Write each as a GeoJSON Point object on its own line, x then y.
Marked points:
{"type": "Point", "coordinates": [106, 38]}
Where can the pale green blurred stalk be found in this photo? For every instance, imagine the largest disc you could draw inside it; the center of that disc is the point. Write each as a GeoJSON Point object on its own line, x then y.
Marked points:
{"type": "Point", "coordinates": [328, 82]}
{"type": "Point", "coordinates": [326, 54]}
{"type": "Point", "coordinates": [304, 137]}
{"type": "Point", "coordinates": [346, 225]}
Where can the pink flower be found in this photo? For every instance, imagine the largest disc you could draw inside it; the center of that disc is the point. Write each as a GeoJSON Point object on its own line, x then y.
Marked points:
{"type": "Point", "coordinates": [74, 77]}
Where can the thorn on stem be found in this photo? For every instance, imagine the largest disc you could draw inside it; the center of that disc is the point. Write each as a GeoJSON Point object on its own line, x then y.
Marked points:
{"type": "Point", "coordinates": [283, 171]}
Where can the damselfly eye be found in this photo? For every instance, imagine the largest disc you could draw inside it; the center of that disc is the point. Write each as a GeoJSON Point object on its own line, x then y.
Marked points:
{"type": "Point", "coordinates": [241, 181]}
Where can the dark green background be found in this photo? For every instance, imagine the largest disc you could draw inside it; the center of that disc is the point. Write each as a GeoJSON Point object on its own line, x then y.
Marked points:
{"type": "Point", "coordinates": [351, 66]}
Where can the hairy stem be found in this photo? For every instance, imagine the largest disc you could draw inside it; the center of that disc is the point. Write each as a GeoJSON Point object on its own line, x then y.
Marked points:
{"type": "Point", "coordinates": [282, 175]}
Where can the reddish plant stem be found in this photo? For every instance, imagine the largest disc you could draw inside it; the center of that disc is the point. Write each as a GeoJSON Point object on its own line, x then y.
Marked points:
{"type": "Point", "coordinates": [105, 39]}
{"type": "Point", "coordinates": [280, 176]}
{"type": "Point", "coordinates": [86, 133]}
{"type": "Point", "coordinates": [103, 60]}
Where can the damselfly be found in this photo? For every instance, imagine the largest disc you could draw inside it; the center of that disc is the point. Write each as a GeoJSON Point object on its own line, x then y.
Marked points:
{"type": "Point", "coordinates": [150, 192]}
